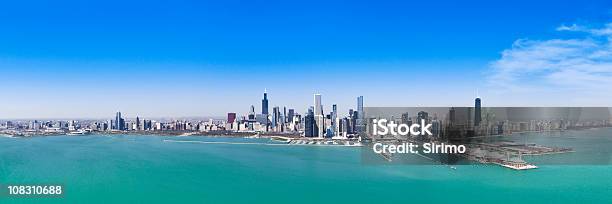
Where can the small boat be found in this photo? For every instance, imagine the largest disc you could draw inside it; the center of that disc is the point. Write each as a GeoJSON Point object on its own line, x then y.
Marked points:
{"type": "Point", "coordinates": [386, 156]}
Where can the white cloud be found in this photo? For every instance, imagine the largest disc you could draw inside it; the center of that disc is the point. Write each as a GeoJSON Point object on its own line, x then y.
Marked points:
{"type": "Point", "coordinates": [573, 27]}
{"type": "Point", "coordinates": [606, 30]}
{"type": "Point", "coordinates": [558, 65]}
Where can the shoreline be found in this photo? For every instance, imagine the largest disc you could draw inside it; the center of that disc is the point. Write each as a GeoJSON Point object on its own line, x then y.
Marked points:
{"type": "Point", "coordinates": [291, 136]}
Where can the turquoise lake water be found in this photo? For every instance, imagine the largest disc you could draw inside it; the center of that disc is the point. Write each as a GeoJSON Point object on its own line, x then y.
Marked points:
{"type": "Point", "coordinates": [146, 169]}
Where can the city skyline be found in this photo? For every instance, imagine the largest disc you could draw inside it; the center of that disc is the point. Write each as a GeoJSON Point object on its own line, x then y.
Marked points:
{"type": "Point", "coordinates": [286, 123]}
{"type": "Point", "coordinates": [208, 58]}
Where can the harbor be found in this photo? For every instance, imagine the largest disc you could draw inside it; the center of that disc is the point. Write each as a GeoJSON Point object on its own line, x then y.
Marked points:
{"type": "Point", "coordinates": [504, 154]}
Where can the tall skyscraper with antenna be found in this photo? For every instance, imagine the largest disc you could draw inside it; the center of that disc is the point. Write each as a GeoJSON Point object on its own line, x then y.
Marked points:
{"type": "Point", "coordinates": [477, 111]}
{"type": "Point", "coordinates": [264, 103]}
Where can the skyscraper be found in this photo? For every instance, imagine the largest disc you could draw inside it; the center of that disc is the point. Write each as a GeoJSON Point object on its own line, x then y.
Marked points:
{"type": "Point", "coordinates": [137, 123]}
{"type": "Point", "coordinates": [264, 104]}
{"type": "Point", "coordinates": [334, 118]}
{"type": "Point", "coordinates": [360, 105]}
{"type": "Point", "coordinates": [334, 112]}
{"type": "Point", "coordinates": [290, 115]}
{"type": "Point", "coordinates": [451, 116]}
{"type": "Point", "coordinates": [252, 113]}
{"type": "Point", "coordinates": [309, 124]}
{"type": "Point", "coordinates": [353, 119]}
{"type": "Point", "coordinates": [477, 112]}
{"type": "Point", "coordinates": [147, 125]}
{"type": "Point", "coordinates": [405, 118]}
{"type": "Point", "coordinates": [318, 116]}
{"type": "Point", "coordinates": [284, 114]}
{"type": "Point", "coordinates": [359, 126]}
{"type": "Point", "coordinates": [119, 122]}
{"type": "Point", "coordinates": [275, 117]}
{"type": "Point", "coordinates": [318, 108]}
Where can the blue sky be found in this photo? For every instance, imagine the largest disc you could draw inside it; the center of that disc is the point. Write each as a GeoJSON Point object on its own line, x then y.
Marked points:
{"type": "Point", "coordinates": [207, 58]}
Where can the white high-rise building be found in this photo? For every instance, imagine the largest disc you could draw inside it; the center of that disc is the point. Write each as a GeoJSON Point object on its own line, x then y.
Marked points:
{"type": "Point", "coordinates": [318, 108]}
{"type": "Point", "coordinates": [318, 115]}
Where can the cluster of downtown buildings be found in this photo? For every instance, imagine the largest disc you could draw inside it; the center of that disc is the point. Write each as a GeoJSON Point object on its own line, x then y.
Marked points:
{"type": "Point", "coordinates": [313, 123]}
